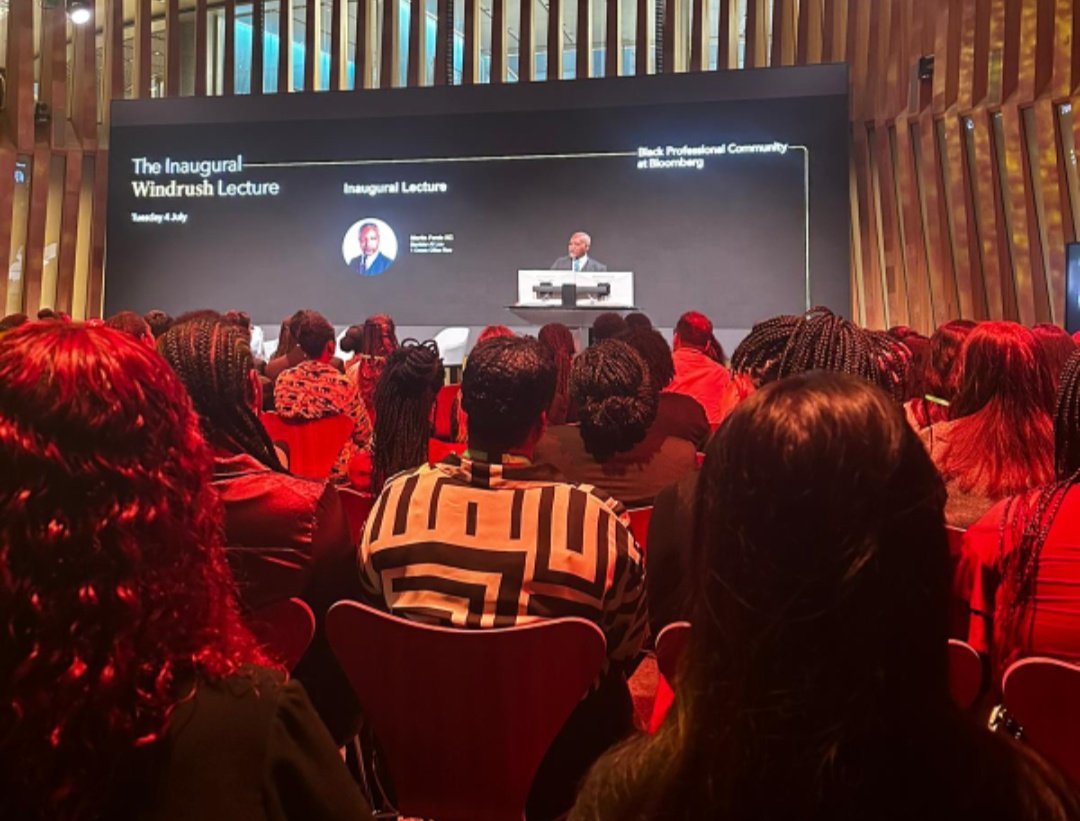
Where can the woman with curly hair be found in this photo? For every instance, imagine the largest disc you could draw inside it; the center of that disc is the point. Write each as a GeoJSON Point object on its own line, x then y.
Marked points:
{"type": "Point", "coordinates": [129, 686]}
{"type": "Point", "coordinates": [616, 446]}
{"type": "Point", "coordinates": [1000, 439]}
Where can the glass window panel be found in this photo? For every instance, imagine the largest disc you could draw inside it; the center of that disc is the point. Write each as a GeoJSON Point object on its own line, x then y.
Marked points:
{"type": "Point", "coordinates": [20, 208]}
{"type": "Point", "coordinates": [570, 38]}
{"type": "Point", "coordinates": [1068, 150]}
{"type": "Point", "coordinates": [540, 24]}
{"type": "Point", "coordinates": [299, 47]}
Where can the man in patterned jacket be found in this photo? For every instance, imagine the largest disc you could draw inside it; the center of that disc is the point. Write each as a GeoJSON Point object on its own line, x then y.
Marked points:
{"type": "Point", "coordinates": [493, 539]}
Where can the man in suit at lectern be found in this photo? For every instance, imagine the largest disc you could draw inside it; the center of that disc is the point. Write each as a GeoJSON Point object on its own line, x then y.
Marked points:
{"type": "Point", "coordinates": [578, 259]}
{"type": "Point", "coordinates": [371, 260]}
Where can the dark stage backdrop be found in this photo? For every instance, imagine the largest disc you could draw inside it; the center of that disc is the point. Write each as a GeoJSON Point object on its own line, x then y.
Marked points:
{"type": "Point", "coordinates": [723, 192]}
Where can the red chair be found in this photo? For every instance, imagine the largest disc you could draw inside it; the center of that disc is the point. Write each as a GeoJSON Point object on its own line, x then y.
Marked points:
{"type": "Point", "coordinates": [965, 673]}
{"type": "Point", "coordinates": [286, 627]}
{"type": "Point", "coordinates": [357, 507]}
{"type": "Point", "coordinates": [959, 612]}
{"type": "Point", "coordinates": [312, 447]}
{"type": "Point", "coordinates": [670, 648]}
{"type": "Point", "coordinates": [1040, 696]}
{"type": "Point", "coordinates": [464, 717]}
{"type": "Point", "coordinates": [439, 450]}
{"type": "Point", "coordinates": [446, 412]}
{"type": "Point", "coordinates": [639, 524]}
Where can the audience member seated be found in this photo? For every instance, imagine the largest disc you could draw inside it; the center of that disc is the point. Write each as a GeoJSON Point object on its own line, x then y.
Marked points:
{"type": "Point", "coordinates": [607, 326]}
{"type": "Point", "coordinates": [914, 385]}
{"type": "Point", "coordinates": [559, 341]}
{"type": "Point", "coordinates": [265, 507]}
{"type": "Point", "coordinates": [1000, 441]}
{"type": "Point", "coordinates": [490, 332]}
{"type": "Point", "coordinates": [129, 686]}
{"type": "Point", "coordinates": [697, 374]}
{"type": "Point", "coordinates": [815, 684]}
{"type": "Point", "coordinates": [315, 389]}
{"type": "Point", "coordinates": [617, 446]}
{"type": "Point", "coordinates": [370, 344]}
{"type": "Point", "coordinates": [242, 319]}
{"type": "Point", "coordinates": [12, 321]}
{"type": "Point", "coordinates": [676, 413]}
{"type": "Point", "coordinates": [288, 353]}
{"type": "Point", "coordinates": [942, 375]}
{"type": "Point", "coordinates": [1022, 559]}
{"type": "Point", "coordinates": [1056, 346]}
{"type": "Point", "coordinates": [46, 314]}
{"type": "Point", "coordinates": [495, 539]}
{"type": "Point", "coordinates": [133, 325]}
{"type": "Point", "coordinates": [774, 349]}
{"type": "Point", "coordinates": [404, 401]}
{"type": "Point", "coordinates": [159, 322]}
{"type": "Point", "coordinates": [637, 321]}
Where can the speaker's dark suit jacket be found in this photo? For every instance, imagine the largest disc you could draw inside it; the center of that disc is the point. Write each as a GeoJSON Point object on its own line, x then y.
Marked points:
{"type": "Point", "coordinates": [566, 264]}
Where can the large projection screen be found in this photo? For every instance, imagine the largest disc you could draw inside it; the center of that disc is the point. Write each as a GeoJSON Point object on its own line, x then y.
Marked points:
{"type": "Point", "coordinates": [724, 192]}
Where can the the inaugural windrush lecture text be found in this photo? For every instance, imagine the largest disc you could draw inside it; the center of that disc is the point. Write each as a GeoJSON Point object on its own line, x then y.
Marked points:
{"type": "Point", "coordinates": [167, 178]}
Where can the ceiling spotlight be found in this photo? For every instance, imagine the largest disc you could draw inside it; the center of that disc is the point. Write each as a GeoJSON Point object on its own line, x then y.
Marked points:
{"type": "Point", "coordinates": [79, 11]}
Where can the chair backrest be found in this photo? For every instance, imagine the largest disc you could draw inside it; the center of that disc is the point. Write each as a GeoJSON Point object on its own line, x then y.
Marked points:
{"type": "Point", "coordinates": [639, 524]}
{"type": "Point", "coordinates": [965, 673]}
{"type": "Point", "coordinates": [1043, 696]}
{"type": "Point", "coordinates": [439, 450]}
{"type": "Point", "coordinates": [959, 610]}
{"type": "Point", "coordinates": [357, 507]}
{"type": "Point", "coordinates": [445, 418]}
{"type": "Point", "coordinates": [313, 446]}
{"type": "Point", "coordinates": [464, 717]}
{"type": "Point", "coordinates": [286, 627]}
{"type": "Point", "coordinates": [268, 574]}
{"type": "Point", "coordinates": [670, 647]}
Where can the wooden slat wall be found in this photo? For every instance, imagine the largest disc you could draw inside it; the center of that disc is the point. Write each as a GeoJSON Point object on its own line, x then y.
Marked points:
{"type": "Point", "coordinates": [960, 181]}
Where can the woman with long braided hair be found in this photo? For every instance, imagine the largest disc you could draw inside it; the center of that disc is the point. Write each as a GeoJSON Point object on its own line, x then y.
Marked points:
{"type": "Point", "coordinates": [559, 340]}
{"type": "Point", "coordinates": [370, 344]}
{"type": "Point", "coordinates": [616, 447]}
{"type": "Point", "coordinates": [265, 507]}
{"type": "Point", "coordinates": [404, 398]}
{"type": "Point", "coordinates": [1021, 558]}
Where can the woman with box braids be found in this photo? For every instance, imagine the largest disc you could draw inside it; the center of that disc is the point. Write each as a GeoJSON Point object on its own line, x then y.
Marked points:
{"type": "Point", "coordinates": [404, 397]}
{"type": "Point", "coordinates": [213, 359]}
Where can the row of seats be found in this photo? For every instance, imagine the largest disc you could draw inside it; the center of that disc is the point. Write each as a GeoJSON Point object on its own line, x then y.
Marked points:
{"type": "Point", "coordinates": [1039, 705]}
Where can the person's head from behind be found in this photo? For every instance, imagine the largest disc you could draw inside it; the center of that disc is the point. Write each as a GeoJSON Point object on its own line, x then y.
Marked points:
{"type": "Point", "coordinates": [915, 378]}
{"type": "Point", "coordinates": [213, 359]}
{"type": "Point", "coordinates": [820, 340]}
{"type": "Point", "coordinates": [943, 375]}
{"type": "Point", "coordinates": [506, 389]}
{"type": "Point", "coordinates": [654, 349]}
{"type": "Point", "coordinates": [559, 341]}
{"type": "Point", "coordinates": [115, 597]}
{"type": "Point", "coordinates": [637, 321]}
{"type": "Point", "coordinates": [404, 398]}
{"type": "Point", "coordinates": [315, 336]}
{"type": "Point", "coordinates": [1055, 346]}
{"type": "Point", "coordinates": [693, 330]}
{"type": "Point", "coordinates": [241, 319]}
{"type": "Point", "coordinates": [493, 332]}
{"type": "Point", "coordinates": [12, 321]}
{"type": "Point", "coordinates": [368, 234]}
{"type": "Point", "coordinates": [1001, 365]}
{"type": "Point", "coordinates": [616, 399]}
{"type": "Point", "coordinates": [819, 621]}
{"type": "Point", "coordinates": [159, 322]}
{"type": "Point", "coordinates": [579, 244]}
{"type": "Point", "coordinates": [376, 337]}
{"type": "Point", "coordinates": [607, 326]}
{"type": "Point", "coordinates": [133, 325]}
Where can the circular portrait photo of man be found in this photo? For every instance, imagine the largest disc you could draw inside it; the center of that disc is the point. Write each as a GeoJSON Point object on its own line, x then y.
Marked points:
{"type": "Point", "coordinates": [369, 247]}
